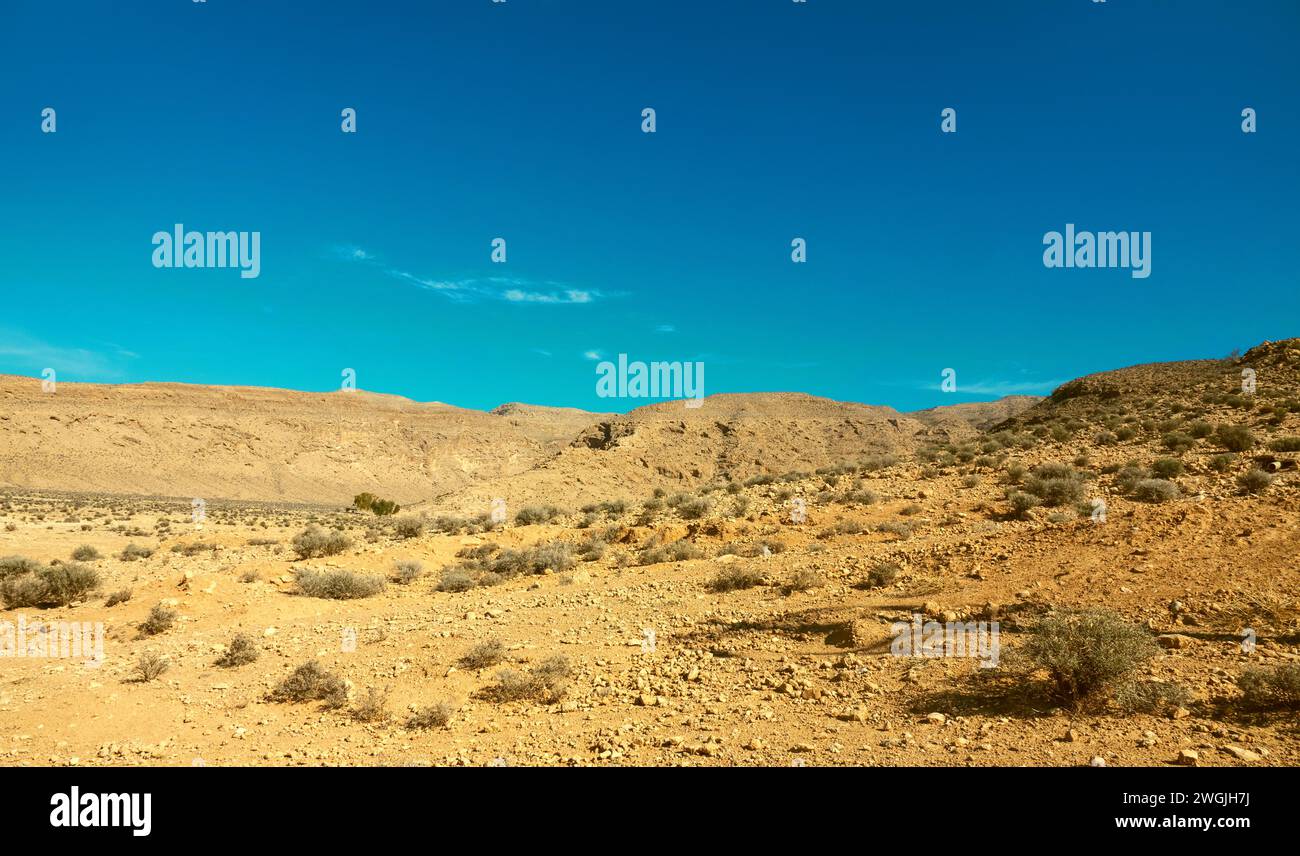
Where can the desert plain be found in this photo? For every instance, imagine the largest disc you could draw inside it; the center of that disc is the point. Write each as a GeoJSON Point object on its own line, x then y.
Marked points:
{"type": "Point", "coordinates": [674, 586]}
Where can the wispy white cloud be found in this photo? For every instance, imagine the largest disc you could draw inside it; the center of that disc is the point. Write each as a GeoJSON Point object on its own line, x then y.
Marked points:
{"type": "Point", "coordinates": [666, 328]}
{"type": "Point", "coordinates": [351, 252]}
{"type": "Point", "coordinates": [467, 289]}
{"type": "Point", "coordinates": [29, 354]}
{"type": "Point", "coordinates": [591, 355]}
{"type": "Point", "coordinates": [1000, 388]}
{"type": "Point", "coordinates": [516, 295]}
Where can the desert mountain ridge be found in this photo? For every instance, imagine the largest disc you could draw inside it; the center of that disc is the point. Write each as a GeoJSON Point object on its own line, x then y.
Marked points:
{"type": "Point", "coordinates": [267, 444]}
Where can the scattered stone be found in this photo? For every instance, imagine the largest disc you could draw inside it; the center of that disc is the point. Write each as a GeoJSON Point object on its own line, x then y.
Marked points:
{"type": "Point", "coordinates": [1243, 754]}
{"type": "Point", "coordinates": [1175, 641]}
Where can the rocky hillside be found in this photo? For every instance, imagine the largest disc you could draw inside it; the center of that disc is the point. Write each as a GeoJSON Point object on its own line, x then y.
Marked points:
{"type": "Point", "coordinates": [265, 444]}
{"type": "Point", "coordinates": [729, 437]}
{"type": "Point", "coordinates": [1157, 398]}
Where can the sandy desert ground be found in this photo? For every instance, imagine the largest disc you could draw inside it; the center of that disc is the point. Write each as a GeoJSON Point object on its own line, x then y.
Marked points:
{"type": "Point", "coordinates": [674, 586]}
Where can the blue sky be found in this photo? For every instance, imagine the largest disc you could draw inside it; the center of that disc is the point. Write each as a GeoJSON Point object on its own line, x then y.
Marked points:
{"type": "Point", "coordinates": [522, 120]}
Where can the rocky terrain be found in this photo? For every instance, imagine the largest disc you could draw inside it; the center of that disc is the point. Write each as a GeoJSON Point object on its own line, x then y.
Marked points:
{"type": "Point", "coordinates": [677, 586]}
{"type": "Point", "coordinates": [267, 444]}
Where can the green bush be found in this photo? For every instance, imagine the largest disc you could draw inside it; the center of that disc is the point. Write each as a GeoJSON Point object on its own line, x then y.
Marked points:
{"type": "Point", "coordinates": [1222, 463]}
{"type": "Point", "coordinates": [1055, 484]}
{"type": "Point", "coordinates": [150, 666]}
{"type": "Point", "coordinates": [56, 585]}
{"type": "Point", "coordinates": [1087, 653]}
{"type": "Point", "coordinates": [1235, 438]}
{"type": "Point", "coordinates": [1155, 490]}
{"type": "Point", "coordinates": [1022, 503]}
{"type": "Point", "coordinates": [375, 505]}
{"type": "Point", "coordinates": [86, 553]}
{"type": "Point", "coordinates": [1167, 468]}
{"type": "Point", "coordinates": [68, 582]}
{"type": "Point", "coordinates": [556, 556]}
{"type": "Point", "coordinates": [1255, 481]}
{"type": "Point", "coordinates": [22, 592]}
{"type": "Point", "coordinates": [1285, 444]}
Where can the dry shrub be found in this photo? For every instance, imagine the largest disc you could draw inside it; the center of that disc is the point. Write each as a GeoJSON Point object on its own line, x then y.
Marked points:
{"type": "Point", "coordinates": [149, 667]}
{"type": "Point", "coordinates": [315, 542]}
{"type": "Point", "coordinates": [435, 716]}
{"type": "Point", "coordinates": [160, 619]}
{"type": "Point", "coordinates": [338, 585]}
{"type": "Point", "coordinates": [735, 577]}
{"type": "Point", "coordinates": [311, 682]}
{"type": "Point", "coordinates": [546, 682]}
{"type": "Point", "coordinates": [241, 650]}
{"type": "Point", "coordinates": [1271, 689]}
{"type": "Point", "coordinates": [483, 655]}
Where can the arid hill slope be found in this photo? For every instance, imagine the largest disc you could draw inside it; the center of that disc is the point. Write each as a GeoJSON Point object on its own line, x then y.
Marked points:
{"type": "Point", "coordinates": [960, 421]}
{"type": "Point", "coordinates": [1162, 398]}
{"type": "Point", "coordinates": [676, 447]}
{"type": "Point", "coordinates": [257, 443]}
{"type": "Point", "coordinates": [280, 445]}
